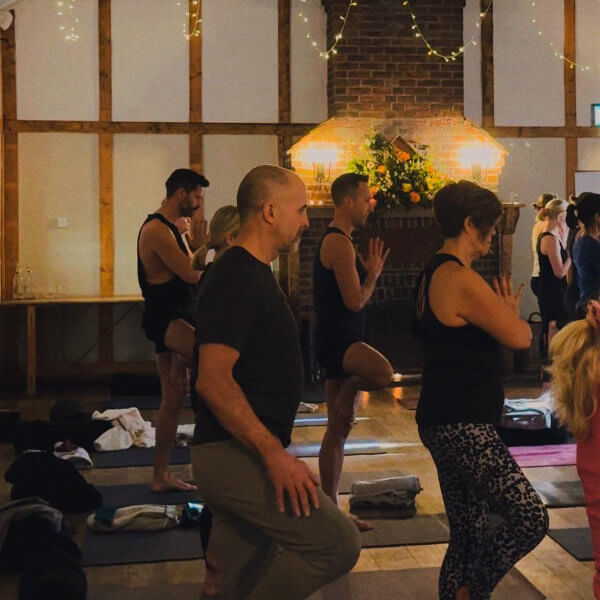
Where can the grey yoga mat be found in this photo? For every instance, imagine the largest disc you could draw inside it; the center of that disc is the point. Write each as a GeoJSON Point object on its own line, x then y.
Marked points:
{"type": "Point", "coordinates": [422, 529]}
{"type": "Point", "coordinates": [130, 494]}
{"type": "Point", "coordinates": [129, 547]}
{"type": "Point", "coordinates": [577, 541]}
{"type": "Point", "coordinates": [367, 446]}
{"type": "Point", "coordinates": [137, 457]}
{"type": "Point", "coordinates": [560, 494]}
{"type": "Point", "coordinates": [406, 584]}
{"type": "Point", "coordinates": [141, 402]}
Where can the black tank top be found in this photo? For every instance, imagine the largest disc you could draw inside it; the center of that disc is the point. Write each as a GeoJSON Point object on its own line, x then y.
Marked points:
{"type": "Point", "coordinates": [547, 277]}
{"type": "Point", "coordinates": [175, 297]}
{"type": "Point", "coordinates": [334, 322]}
{"type": "Point", "coordinates": [462, 368]}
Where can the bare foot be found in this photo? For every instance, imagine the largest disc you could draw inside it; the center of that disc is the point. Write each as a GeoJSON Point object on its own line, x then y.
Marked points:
{"type": "Point", "coordinates": [171, 483]}
{"type": "Point", "coordinates": [360, 524]}
{"type": "Point", "coordinates": [210, 589]}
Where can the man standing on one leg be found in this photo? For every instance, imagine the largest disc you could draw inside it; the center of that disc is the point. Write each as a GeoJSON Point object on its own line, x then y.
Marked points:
{"type": "Point", "coordinates": [248, 388]}
{"type": "Point", "coordinates": [343, 285]}
{"type": "Point", "coordinates": [167, 280]}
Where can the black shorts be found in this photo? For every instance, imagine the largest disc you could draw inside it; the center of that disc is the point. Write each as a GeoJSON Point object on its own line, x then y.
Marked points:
{"type": "Point", "coordinates": [330, 354]}
{"type": "Point", "coordinates": [155, 324]}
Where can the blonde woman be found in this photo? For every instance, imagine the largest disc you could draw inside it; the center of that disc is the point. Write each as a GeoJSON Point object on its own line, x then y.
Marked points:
{"type": "Point", "coordinates": [575, 353]}
{"type": "Point", "coordinates": [222, 231]}
{"type": "Point", "coordinates": [554, 265]}
{"type": "Point", "coordinates": [538, 227]}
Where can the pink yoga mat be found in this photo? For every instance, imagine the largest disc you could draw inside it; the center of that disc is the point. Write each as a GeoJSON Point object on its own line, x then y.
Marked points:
{"type": "Point", "coordinates": [544, 456]}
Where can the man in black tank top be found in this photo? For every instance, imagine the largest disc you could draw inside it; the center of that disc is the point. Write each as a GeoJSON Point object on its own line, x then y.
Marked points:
{"type": "Point", "coordinates": [343, 285]}
{"type": "Point", "coordinates": [167, 281]}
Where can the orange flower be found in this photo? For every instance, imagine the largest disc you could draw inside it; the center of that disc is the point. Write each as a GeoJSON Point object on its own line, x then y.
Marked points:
{"type": "Point", "coordinates": [402, 156]}
{"type": "Point", "coordinates": [373, 189]}
{"type": "Point", "coordinates": [430, 169]}
{"type": "Point", "coordinates": [382, 169]}
{"type": "Point", "coordinates": [414, 197]}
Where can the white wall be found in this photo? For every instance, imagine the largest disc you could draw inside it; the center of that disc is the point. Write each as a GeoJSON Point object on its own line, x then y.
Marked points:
{"type": "Point", "coordinates": [528, 78]}
{"type": "Point", "coordinates": [227, 158]}
{"type": "Point", "coordinates": [142, 164]}
{"type": "Point", "coordinates": [150, 61]}
{"type": "Point", "coordinates": [532, 167]}
{"type": "Point", "coordinates": [56, 79]}
{"type": "Point", "coordinates": [588, 154]}
{"type": "Point", "coordinates": [588, 54]}
{"type": "Point", "coordinates": [239, 61]}
{"type": "Point", "coordinates": [472, 61]}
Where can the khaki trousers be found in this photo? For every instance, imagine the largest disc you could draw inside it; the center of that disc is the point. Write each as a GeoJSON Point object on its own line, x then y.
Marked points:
{"type": "Point", "coordinates": [263, 554]}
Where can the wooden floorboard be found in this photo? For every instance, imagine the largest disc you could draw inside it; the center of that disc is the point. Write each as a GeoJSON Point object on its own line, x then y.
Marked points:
{"type": "Point", "coordinates": [550, 568]}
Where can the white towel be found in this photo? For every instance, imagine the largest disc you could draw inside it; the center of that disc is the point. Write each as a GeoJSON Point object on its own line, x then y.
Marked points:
{"type": "Point", "coordinates": [129, 429]}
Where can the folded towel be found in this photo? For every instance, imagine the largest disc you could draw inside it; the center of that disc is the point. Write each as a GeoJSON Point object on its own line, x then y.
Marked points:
{"type": "Point", "coordinates": [407, 483]}
{"type": "Point", "coordinates": [390, 500]}
{"type": "Point", "coordinates": [306, 407]}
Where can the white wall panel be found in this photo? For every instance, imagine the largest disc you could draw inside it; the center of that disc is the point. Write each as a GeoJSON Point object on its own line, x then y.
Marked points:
{"type": "Point", "coordinates": [472, 62]}
{"type": "Point", "coordinates": [58, 177]}
{"type": "Point", "coordinates": [308, 77]}
{"type": "Point", "coordinates": [528, 78]}
{"type": "Point", "coordinates": [227, 158]}
{"type": "Point", "coordinates": [532, 167]}
{"type": "Point", "coordinates": [142, 164]}
{"type": "Point", "coordinates": [150, 61]}
{"type": "Point", "coordinates": [588, 154]}
{"type": "Point", "coordinates": [239, 58]}
{"type": "Point", "coordinates": [56, 79]}
{"type": "Point", "coordinates": [588, 54]}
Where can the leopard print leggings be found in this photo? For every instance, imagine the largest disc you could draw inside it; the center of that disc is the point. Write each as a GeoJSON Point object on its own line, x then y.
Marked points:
{"type": "Point", "coordinates": [478, 475]}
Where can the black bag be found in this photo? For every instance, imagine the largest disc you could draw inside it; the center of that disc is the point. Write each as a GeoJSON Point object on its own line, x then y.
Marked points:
{"type": "Point", "coordinates": [53, 479]}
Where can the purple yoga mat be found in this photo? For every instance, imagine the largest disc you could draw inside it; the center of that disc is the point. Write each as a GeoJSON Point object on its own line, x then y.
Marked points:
{"type": "Point", "coordinates": [544, 456]}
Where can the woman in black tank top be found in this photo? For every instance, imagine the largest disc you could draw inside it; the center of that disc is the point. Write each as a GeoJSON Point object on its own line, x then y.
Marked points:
{"type": "Point", "coordinates": [463, 324]}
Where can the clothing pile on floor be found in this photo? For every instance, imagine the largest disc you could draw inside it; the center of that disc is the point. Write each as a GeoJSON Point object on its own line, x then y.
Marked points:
{"type": "Point", "coordinates": [390, 494]}
{"type": "Point", "coordinates": [141, 517]}
{"type": "Point", "coordinates": [34, 542]}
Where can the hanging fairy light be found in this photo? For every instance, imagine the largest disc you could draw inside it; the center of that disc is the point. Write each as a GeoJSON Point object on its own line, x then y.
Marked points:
{"type": "Point", "coordinates": [556, 51]}
{"type": "Point", "coordinates": [332, 50]}
{"type": "Point", "coordinates": [68, 21]}
{"type": "Point", "coordinates": [431, 51]}
{"type": "Point", "coordinates": [194, 22]}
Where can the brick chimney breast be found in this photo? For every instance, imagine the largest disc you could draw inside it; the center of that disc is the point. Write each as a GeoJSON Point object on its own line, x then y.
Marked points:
{"type": "Point", "coordinates": [383, 71]}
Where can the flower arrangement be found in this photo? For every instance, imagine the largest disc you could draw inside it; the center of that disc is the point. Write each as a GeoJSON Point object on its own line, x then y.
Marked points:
{"type": "Point", "coordinates": [396, 179]}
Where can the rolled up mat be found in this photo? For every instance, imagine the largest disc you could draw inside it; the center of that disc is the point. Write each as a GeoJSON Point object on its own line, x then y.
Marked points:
{"type": "Point", "coordinates": [130, 494]}
{"type": "Point", "coordinates": [406, 584]}
{"type": "Point", "coordinates": [348, 478]}
{"type": "Point", "coordinates": [577, 541]}
{"type": "Point", "coordinates": [137, 457]}
{"type": "Point", "coordinates": [560, 494]}
{"type": "Point", "coordinates": [308, 420]}
{"type": "Point", "coordinates": [130, 547]}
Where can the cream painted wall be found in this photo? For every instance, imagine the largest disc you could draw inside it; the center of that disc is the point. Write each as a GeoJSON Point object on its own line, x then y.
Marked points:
{"type": "Point", "coordinates": [58, 177]}
{"type": "Point", "coordinates": [142, 164]}
{"type": "Point", "coordinates": [528, 78]}
{"type": "Point", "coordinates": [150, 61]}
{"type": "Point", "coordinates": [532, 167]}
{"type": "Point", "coordinates": [472, 61]}
{"type": "Point", "coordinates": [588, 154]}
{"type": "Point", "coordinates": [308, 77]}
{"type": "Point", "coordinates": [239, 61]}
{"type": "Point", "coordinates": [588, 54]}
{"type": "Point", "coordinates": [227, 158]}
{"type": "Point", "coordinates": [56, 79]}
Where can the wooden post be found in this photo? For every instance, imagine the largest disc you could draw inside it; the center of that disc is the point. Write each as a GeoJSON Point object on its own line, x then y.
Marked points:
{"type": "Point", "coordinates": [195, 42]}
{"type": "Point", "coordinates": [487, 66]}
{"type": "Point", "coordinates": [570, 93]}
{"type": "Point", "coordinates": [31, 350]}
{"type": "Point", "coordinates": [105, 192]}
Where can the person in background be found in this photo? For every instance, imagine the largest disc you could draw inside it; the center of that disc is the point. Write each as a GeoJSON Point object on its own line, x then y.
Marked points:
{"type": "Point", "coordinates": [463, 325]}
{"type": "Point", "coordinates": [586, 250]}
{"type": "Point", "coordinates": [537, 228]}
{"type": "Point", "coordinates": [554, 265]}
{"type": "Point", "coordinates": [575, 354]}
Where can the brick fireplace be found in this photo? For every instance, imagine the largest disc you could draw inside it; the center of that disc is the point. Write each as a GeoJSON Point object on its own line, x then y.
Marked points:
{"type": "Point", "coordinates": [383, 79]}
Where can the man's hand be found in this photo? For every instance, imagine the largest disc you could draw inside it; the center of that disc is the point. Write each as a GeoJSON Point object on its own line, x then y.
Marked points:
{"type": "Point", "coordinates": [294, 477]}
{"type": "Point", "coordinates": [198, 230]}
{"type": "Point", "coordinates": [376, 257]}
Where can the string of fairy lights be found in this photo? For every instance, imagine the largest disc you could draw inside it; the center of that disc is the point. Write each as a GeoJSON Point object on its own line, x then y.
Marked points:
{"type": "Point", "coordinates": [67, 13]}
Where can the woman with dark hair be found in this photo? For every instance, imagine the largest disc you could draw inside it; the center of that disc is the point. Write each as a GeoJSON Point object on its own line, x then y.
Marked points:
{"type": "Point", "coordinates": [586, 249]}
{"type": "Point", "coordinates": [463, 323]}
{"type": "Point", "coordinates": [554, 266]}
